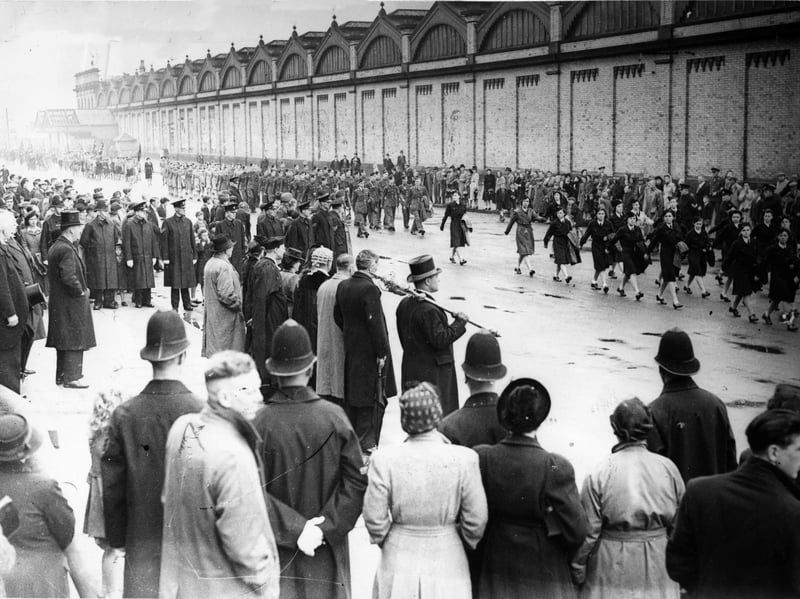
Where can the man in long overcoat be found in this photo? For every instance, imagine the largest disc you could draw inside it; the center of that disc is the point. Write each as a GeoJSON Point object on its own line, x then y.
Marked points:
{"type": "Point", "coordinates": [358, 312]}
{"type": "Point", "coordinates": [179, 255]}
{"type": "Point", "coordinates": [51, 226]}
{"type": "Point", "coordinates": [140, 250]}
{"type": "Point", "coordinates": [321, 225]}
{"type": "Point", "coordinates": [223, 323]}
{"type": "Point", "coordinates": [312, 465]}
{"type": "Point", "coordinates": [71, 330]}
{"type": "Point", "coordinates": [133, 461]}
{"type": "Point", "coordinates": [234, 229]}
{"type": "Point", "coordinates": [330, 341]}
{"type": "Point", "coordinates": [268, 224]}
{"type": "Point", "coordinates": [13, 310]}
{"type": "Point", "coordinates": [426, 337]}
{"type": "Point", "coordinates": [298, 234]}
{"type": "Point", "coordinates": [99, 242]}
{"type": "Point", "coordinates": [340, 234]}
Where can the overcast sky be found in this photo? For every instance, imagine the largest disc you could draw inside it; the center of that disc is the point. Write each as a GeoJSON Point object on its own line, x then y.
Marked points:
{"type": "Point", "coordinates": [44, 43]}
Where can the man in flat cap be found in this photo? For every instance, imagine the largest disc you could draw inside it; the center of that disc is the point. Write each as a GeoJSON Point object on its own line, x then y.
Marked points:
{"type": "Point", "coordinates": [99, 242]}
{"type": "Point", "coordinates": [234, 229]}
{"type": "Point", "coordinates": [140, 249]}
{"type": "Point", "coordinates": [179, 256]}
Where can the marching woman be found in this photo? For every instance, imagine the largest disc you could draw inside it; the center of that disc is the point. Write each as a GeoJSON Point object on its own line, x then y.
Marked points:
{"type": "Point", "coordinates": [741, 265]}
{"type": "Point", "coordinates": [784, 275]}
{"type": "Point", "coordinates": [634, 262]}
{"type": "Point", "coordinates": [559, 232]}
{"type": "Point", "coordinates": [523, 217]}
{"type": "Point", "coordinates": [455, 211]}
{"type": "Point", "coordinates": [617, 220]}
{"type": "Point", "coordinates": [600, 230]}
{"type": "Point", "coordinates": [667, 236]}
{"type": "Point", "coordinates": [699, 246]}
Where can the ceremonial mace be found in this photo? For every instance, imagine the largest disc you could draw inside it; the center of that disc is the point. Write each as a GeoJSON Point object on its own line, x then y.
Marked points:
{"type": "Point", "coordinates": [397, 289]}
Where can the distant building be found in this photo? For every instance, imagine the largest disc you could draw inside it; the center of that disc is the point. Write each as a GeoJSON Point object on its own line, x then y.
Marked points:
{"type": "Point", "coordinates": [68, 129]}
{"type": "Point", "coordinates": [87, 84]}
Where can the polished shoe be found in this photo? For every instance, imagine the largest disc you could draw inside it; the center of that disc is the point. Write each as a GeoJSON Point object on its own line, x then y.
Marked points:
{"type": "Point", "coordinates": [98, 306]}
{"type": "Point", "coordinates": [791, 327]}
{"type": "Point", "coordinates": [556, 279]}
{"type": "Point", "coordinates": [677, 306]}
{"type": "Point", "coordinates": [765, 317]}
{"type": "Point", "coordinates": [531, 273]}
{"type": "Point", "coordinates": [77, 384]}
{"type": "Point", "coordinates": [453, 260]}
{"type": "Point", "coordinates": [422, 233]}
{"type": "Point", "coordinates": [148, 305]}
{"type": "Point", "coordinates": [639, 296]}
{"type": "Point", "coordinates": [705, 294]}
{"type": "Point", "coordinates": [734, 311]}
{"type": "Point", "coordinates": [196, 302]}
{"type": "Point", "coordinates": [595, 286]}
{"type": "Point", "coordinates": [516, 270]}
{"type": "Point", "coordinates": [724, 298]}
{"type": "Point", "coordinates": [753, 318]}
{"type": "Point", "coordinates": [686, 290]}
{"type": "Point", "coordinates": [111, 306]}
{"type": "Point", "coordinates": [605, 289]}
{"type": "Point", "coordinates": [137, 305]}
{"type": "Point", "coordinates": [124, 304]}
{"type": "Point", "coordinates": [621, 292]}
{"type": "Point", "coordinates": [568, 280]}
{"type": "Point", "coordinates": [612, 275]}
{"type": "Point", "coordinates": [661, 300]}
{"type": "Point", "coordinates": [463, 262]}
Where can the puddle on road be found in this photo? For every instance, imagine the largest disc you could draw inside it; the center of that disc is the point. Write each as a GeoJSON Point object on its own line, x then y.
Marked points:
{"type": "Point", "coordinates": [765, 381]}
{"type": "Point", "coordinates": [767, 349]}
{"type": "Point", "coordinates": [653, 334]}
{"type": "Point", "coordinates": [605, 340]}
{"type": "Point", "coordinates": [491, 307]}
{"type": "Point", "coordinates": [515, 289]}
{"type": "Point", "coordinates": [556, 296]}
{"type": "Point", "coordinates": [463, 299]}
{"type": "Point", "coordinates": [745, 403]}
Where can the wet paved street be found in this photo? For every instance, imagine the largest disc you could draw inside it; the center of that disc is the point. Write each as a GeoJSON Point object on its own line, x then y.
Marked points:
{"type": "Point", "coordinates": [590, 350]}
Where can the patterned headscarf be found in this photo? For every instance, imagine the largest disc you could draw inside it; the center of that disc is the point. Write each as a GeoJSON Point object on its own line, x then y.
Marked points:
{"type": "Point", "coordinates": [420, 410]}
{"type": "Point", "coordinates": [321, 257]}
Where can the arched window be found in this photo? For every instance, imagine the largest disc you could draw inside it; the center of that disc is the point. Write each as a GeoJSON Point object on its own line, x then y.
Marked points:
{"type": "Point", "coordinates": [113, 98]}
{"type": "Point", "coordinates": [334, 60]}
{"type": "Point", "coordinates": [152, 92]}
{"type": "Point", "coordinates": [232, 78]}
{"type": "Point", "coordinates": [207, 82]}
{"type": "Point", "coordinates": [441, 41]}
{"type": "Point", "coordinates": [515, 29]}
{"type": "Point", "coordinates": [168, 90]}
{"type": "Point", "coordinates": [125, 96]}
{"type": "Point", "coordinates": [606, 17]}
{"type": "Point", "coordinates": [382, 52]}
{"type": "Point", "coordinates": [137, 94]}
{"type": "Point", "coordinates": [186, 87]}
{"type": "Point", "coordinates": [260, 73]}
{"type": "Point", "coordinates": [101, 100]}
{"type": "Point", "coordinates": [293, 68]}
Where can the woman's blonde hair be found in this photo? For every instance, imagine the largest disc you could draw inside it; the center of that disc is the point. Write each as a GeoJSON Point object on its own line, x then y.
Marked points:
{"type": "Point", "coordinates": [104, 405]}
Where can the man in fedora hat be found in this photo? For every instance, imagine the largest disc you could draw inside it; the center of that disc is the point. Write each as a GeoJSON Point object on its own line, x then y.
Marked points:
{"type": "Point", "coordinates": [13, 309]}
{"type": "Point", "coordinates": [212, 459]}
{"type": "Point", "coordinates": [140, 250]}
{"type": "Point", "coordinates": [691, 424]}
{"type": "Point", "coordinates": [476, 422]}
{"type": "Point", "coordinates": [313, 468]}
{"type": "Point", "coordinates": [51, 226]}
{"type": "Point", "coordinates": [71, 330]}
{"type": "Point", "coordinates": [133, 461]}
{"type": "Point", "coordinates": [99, 241]}
{"type": "Point", "coordinates": [223, 323]}
{"type": "Point", "coordinates": [369, 372]}
{"type": "Point", "coordinates": [232, 227]}
{"type": "Point", "coordinates": [179, 256]}
{"type": "Point", "coordinates": [426, 336]}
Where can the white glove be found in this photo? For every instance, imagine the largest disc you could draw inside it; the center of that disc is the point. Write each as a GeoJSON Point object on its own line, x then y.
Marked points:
{"type": "Point", "coordinates": [165, 262]}
{"type": "Point", "coordinates": [311, 537]}
{"type": "Point", "coordinates": [129, 263]}
{"type": "Point", "coordinates": [13, 320]}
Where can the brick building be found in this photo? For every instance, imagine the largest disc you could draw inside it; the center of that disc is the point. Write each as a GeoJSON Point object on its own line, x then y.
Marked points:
{"type": "Point", "coordinates": [641, 87]}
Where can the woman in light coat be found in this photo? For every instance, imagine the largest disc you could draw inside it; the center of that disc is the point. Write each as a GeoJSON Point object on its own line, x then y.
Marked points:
{"type": "Point", "coordinates": [424, 502]}
{"type": "Point", "coordinates": [630, 500]}
{"type": "Point", "coordinates": [223, 322]}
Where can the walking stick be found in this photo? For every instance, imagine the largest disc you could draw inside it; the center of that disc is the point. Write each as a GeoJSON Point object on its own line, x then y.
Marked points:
{"type": "Point", "coordinates": [393, 287]}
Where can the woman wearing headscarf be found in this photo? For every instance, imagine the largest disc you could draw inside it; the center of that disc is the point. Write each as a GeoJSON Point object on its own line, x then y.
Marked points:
{"type": "Point", "coordinates": [523, 217]}
{"type": "Point", "coordinates": [630, 499]}
{"type": "Point", "coordinates": [536, 522]}
{"type": "Point", "coordinates": [424, 503]}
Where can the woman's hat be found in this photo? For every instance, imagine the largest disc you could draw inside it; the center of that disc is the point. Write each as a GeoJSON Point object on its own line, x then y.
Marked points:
{"type": "Point", "coordinates": [631, 420]}
{"type": "Point", "coordinates": [18, 439]}
{"type": "Point", "coordinates": [676, 354]}
{"type": "Point", "coordinates": [421, 268]}
{"type": "Point", "coordinates": [523, 405]}
{"type": "Point", "coordinates": [221, 243]}
{"type": "Point", "coordinates": [482, 360]}
{"type": "Point", "coordinates": [166, 337]}
{"type": "Point", "coordinates": [291, 350]}
{"type": "Point", "coordinates": [420, 409]}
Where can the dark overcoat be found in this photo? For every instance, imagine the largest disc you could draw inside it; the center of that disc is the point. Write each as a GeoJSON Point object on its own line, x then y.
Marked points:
{"type": "Point", "coordinates": [312, 465]}
{"type": "Point", "coordinates": [740, 265]}
{"type": "Point", "coordinates": [475, 423]}
{"type": "Point", "coordinates": [299, 235]}
{"type": "Point", "coordinates": [304, 302]}
{"type": "Point", "coordinates": [268, 310]}
{"type": "Point", "coordinates": [70, 316]}
{"type": "Point", "coordinates": [235, 230]}
{"type": "Point", "coordinates": [784, 267]}
{"type": "Point", "coordinates": [269, 226]}
{"type": "Point", "coordinates": [692, 429]}
{"type": "Point", "coordinates": [140, 244]}
{"type": "Point", "coordinates": [321, 229]}
{"type": "Point", "coordinates": [698, 245]}
{"type": "Point", "coordinates": [358, 312]}
{"type": "Point", "coordinates": [25, 264]}
{"type": "Point", "coordinates": [178, 246]}
{"type": "Point", "coordinates": [340, 235]}
{"type": "Point", "coordinates": [558, 231]}
{"type": "Point", "coordinates": [99, 242]}
{"type": "Point", "coordinates": [667, 238]}
{"type": "Point", "coordinates": [427, 342]}
{"type": "Point", "coordinates": [455, 212]}
{"type": "Point", "coordinates": [737, 535]}
{"type": "Point", "coordinates": [12, 302]}
{"type": "Point", "coordinates": [600, 234]}
{"type": "Point", "coordinates": [536, 521]}
{"type": "Point", "coordinates": [133, 476]}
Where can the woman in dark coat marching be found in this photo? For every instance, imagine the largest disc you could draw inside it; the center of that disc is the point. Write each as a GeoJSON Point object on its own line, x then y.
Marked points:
{"type": "Point", "coordinates": [634, 262]}
{"type": "Point", "coordinates": [699, 246]}
{"type": "Point", "coordinates": [523, 217]}
{"type": "Point", "coordinates": [784, 275]}
{"type": "Point", "coordinates": [455, 211]}
{"type": "Point", "coordinates": [741, 265]}
{"type": "Point", "coordinates": [536, 522]}
{"type": "Point", "coordinates": [667, 236]}
{"type": "Point", "coordinates": [617, 218]}
{"type": "Point", "coordinates": [600, 231]}
{"type": "Point", "coordinates": [559, 231]}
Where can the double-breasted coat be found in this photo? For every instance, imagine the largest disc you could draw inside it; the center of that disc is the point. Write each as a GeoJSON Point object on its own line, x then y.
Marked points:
{"type": "Point", "coordinates": [698, 245]}
{"type": "Point", "coordinates": [536, 521]}
{"type": "Point", "coordinates": [268, 311]}
{"type": "Point", "coordinates": [455, 212]}
{"type": "Point", "coordinates": [133, 477]}
{"type": "Point", "coordinates": [330, 341]}
{"type": "Point", "coordinates": [178, 246]}
{"type": "Point", "coordinates": [559, 231]}
{"type": "Point", "coordinates": [312, 465]}
{"type": "Point", "coordinates": [223, 323]}
{"type": "Point", "coordinates": [600, 235]}
{"type": "Point", "coordinates": [299, 235]}
{"type": "Point", "coordinates": [740, 265]}
{"type": "Point", "coordinates": [99, 241]}
{"type": "Point", "coordinates": [427, 341]}
{"type": "Point", "coordinates": [667, 237]}
{"type": "Point", "coordinates": [140, 244]}
{"type": "Point", "coordinates": [70, 325]}
{"type": "Point", "coordinates": [358, 312]}
{"type": "Point", "coordinates": [13, 302]}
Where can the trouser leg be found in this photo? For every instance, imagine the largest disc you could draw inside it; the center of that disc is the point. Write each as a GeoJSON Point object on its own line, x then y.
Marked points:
{"type": "Point", "coordinates": [72, 365]}
{"type": "Point", "coordinates": [186, 299]}
{"type": "Point", "coordinates": [10, 367]}
{"type": "Point", "coordinates": [26, 343]}
{"type": "Point", "coordinates": [174, 296]}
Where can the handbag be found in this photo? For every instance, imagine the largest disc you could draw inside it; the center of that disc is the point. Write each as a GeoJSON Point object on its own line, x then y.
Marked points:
{"type": "Point", "coordinates": [711, 257]}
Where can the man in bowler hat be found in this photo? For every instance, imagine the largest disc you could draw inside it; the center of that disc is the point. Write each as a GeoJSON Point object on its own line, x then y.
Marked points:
{"type": "Point", "coordinates": [426, 336]}
{"type": "Point", "coordinates": [133, 461]}
{"type": "Point", "coordinates": [179, 256]}
{"type": "Point", "coordinates": [691, 425]}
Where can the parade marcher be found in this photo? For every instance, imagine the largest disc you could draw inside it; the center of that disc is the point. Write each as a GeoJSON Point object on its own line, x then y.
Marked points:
{"type": "Point", "coordinates": [304, 305]}
{"type": "Point", "coordinates": [426, 337]}
{"type": "Point", "coordinates": [213, 459]}
{"type": "Point", "coordinates": [784, 275]}
{"type": "Point", "coordinates": [361, 210]}
{"type": "Point", "coordinates": [699, 247]}
{"type": "Point", "coordinates": [630, 499]}
{"type": "Point", "coordinates": [418, 204]}
{"type": "Point", "coordinates": [755, 510]}
{"type": "Point", "coordinates": [424, 503]}
{"type": "Point", "coordinates": [535, 513]}
{"type": "Point", "coordinates": [330, 340]}
{"type": "Point", "coordinates": [455, 211]}
{"type": "Point", "coordinates": [99, 241]}
{"type": "Point", "coordinates": [47, 555]}
{"type": "Point", "coordinates": [667, 236]}
{"type": "Point", "coordinates": [740, 264]}
{"type": "Point", "coordinates": [14, 308]}
{"type": "Point", "coordinates": [321, 224]}
{"type": "Point", "coordinates": [523, 217]}
{"type": "Point", "coordinates": [312, 507]}
{"type": "Point", "coordinates": [267, 304]}
{"type": "Point", "coordinates": [691, 425]}
{"type": "Point", "coordinates": [179, 254]}
{"type": "Point", "coordinates": [476, 422]}
{"type": "Point", "coordinates": [369, 371]}
{"type": "Point", "coordinates": [391, 199]}
{"type": "Point", "coordinates": [633, 250]}
{"type": "Point", "coordinates": [71, 330]}
{"type": "Point", "coordinates": [133, 460]}
{"type": "Point", "coordinates": [223, 323]}
{"type": "Point", "coordinates": [232, 227]}
{"type": "Point", "coordinates": [562, 254]}
{"type": "Point", "coordinates": [140, 249]}
{"type": "Point", "coordinates": [600, 231]}
{"type": "Point", "coordinates": [148, 171]}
